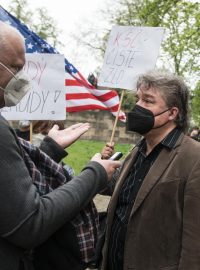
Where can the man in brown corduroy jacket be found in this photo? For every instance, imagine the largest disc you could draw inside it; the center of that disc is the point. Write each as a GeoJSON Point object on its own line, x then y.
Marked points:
{"type": "Point", "coordinates": [154, 214]}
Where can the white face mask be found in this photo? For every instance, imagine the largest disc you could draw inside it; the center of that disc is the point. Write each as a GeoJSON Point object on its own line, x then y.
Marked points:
{"type": "Point", "coordinates": [16, 88]}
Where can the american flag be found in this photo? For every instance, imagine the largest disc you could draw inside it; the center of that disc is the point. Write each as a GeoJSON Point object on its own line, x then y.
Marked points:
{"type": "Point", "coordinates": [80, 94]}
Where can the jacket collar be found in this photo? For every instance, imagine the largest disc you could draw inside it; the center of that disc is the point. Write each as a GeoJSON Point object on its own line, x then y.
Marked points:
{"type": "Point", "coordinates": [165, 158]}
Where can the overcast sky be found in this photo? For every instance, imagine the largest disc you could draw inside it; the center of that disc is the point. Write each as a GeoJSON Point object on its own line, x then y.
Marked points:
{"type": "Point", "coordinates": [70, 17]}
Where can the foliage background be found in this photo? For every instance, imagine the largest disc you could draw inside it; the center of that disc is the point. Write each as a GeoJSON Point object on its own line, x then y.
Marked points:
{"type": "Point", "coordinates": [180, 51]}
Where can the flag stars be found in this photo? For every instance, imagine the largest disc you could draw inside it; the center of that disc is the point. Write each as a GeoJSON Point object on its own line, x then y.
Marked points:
{"type": "Point", "coordinates": [30, 46]}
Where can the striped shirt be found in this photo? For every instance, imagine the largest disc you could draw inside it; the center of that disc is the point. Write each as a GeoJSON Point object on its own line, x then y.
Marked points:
{"type": "Point", "coordinates": [128, 194]}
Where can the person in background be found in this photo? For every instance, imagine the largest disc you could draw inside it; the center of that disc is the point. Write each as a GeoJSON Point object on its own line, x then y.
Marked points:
{"type": "Point", "coordinates": [194, 134]}
{"type": "Point", "coordinates": [153, 217]}
{"type": "Point", "coordinates": [92, 79]}
{"type": "Point", "coordinates": [23, 130]}
{"type": "Point", "coordinates": [28, 217]}
{"type": "Point", "coordinates": [44, 126]}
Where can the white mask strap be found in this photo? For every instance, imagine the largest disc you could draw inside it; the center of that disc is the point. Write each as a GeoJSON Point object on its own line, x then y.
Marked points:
{"type": "Point", "coordinates": [8, 69]}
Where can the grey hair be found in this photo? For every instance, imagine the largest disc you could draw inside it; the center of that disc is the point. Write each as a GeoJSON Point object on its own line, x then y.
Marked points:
{"type": "Point", "coordinates": [5, 30]}
{"type": "Point", "coordinates": [173, 90]}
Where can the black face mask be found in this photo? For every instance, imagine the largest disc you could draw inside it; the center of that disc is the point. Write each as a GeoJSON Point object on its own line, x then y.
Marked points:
{"type": "Point", "coordinates": [141, 120]}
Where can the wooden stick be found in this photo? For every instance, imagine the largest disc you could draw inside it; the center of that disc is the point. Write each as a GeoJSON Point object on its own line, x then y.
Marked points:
{"type": "Point", "coordinates": [31, 132]}
{"type": "Point", "coordinates": [117, 116]}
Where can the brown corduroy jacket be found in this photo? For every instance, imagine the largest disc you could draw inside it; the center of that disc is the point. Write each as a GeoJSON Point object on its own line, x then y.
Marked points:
{"type": "Point", "coordinates": [163, 231]}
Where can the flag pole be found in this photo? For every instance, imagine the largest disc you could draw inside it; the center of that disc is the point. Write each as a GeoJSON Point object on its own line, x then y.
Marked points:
{"type": "Point", "coordinates": [117, 116]}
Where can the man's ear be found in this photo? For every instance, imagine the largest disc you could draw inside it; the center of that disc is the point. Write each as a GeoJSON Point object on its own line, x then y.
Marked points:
{"type": "Point", "coordinates": [173, 113]}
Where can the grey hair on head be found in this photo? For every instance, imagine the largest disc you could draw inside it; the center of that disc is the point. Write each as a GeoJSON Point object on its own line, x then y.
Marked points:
{"type": "Point", "coordinates": [173, 90]}
{"type": "Point", "coordinates": [5, 30]}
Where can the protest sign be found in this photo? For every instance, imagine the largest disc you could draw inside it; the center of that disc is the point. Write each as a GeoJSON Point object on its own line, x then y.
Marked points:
{"type": "Point", "coordinates": [130, 52]}
{"type": "Point", "coordinates": [46, 99]}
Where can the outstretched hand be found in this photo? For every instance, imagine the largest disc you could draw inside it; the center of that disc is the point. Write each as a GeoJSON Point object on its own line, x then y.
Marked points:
{"type": "Point", "coordinates": [109, 165]}
{"type": "Point", "coordinates": [68, 135]}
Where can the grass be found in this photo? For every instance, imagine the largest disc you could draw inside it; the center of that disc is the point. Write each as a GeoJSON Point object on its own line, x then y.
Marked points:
{"type": "Point", "coordinates": [83, 150]}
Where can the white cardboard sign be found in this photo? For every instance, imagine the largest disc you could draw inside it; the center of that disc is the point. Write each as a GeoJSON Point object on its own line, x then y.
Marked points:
{"type": "Point", "coordinates": [130, 52]}
{"type": "Point", "coordinates": [46, 99]}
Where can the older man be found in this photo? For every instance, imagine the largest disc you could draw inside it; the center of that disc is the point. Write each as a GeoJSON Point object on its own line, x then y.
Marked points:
{"type": "Point", "coordinates": [153, 217]}
{"type": "Point", "coordinates": [27, 217]}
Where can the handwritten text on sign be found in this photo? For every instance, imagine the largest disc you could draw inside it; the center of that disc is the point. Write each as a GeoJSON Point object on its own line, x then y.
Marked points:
{"type": "Point", "coordinates": [46, 99]}
{"type": "Point", "coordinates": [130, 52]}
